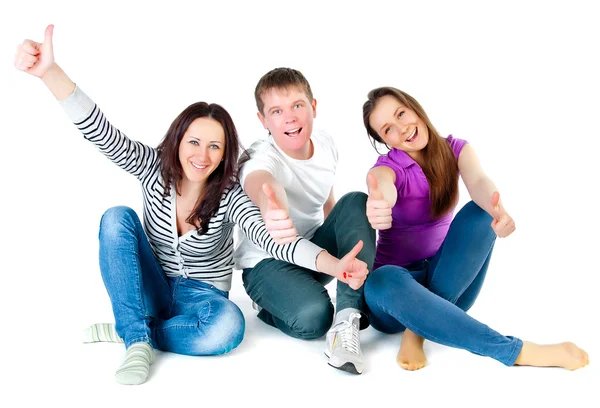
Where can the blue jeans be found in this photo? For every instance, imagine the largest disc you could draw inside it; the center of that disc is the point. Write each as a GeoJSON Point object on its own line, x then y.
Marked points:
{"type": "Point", "coordinates": [431, 297]}
{"type": "Point", "coordinates": [294, 299]}
{"type": "Point", "coordinates": [180, 315]}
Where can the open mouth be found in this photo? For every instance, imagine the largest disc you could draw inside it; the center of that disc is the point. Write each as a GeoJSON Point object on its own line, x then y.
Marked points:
{"type": "Point", "coordinates": [293, 132]}
{"type": "Point", "coordinates": [197, 166]}
{"type": "Point", "coordinates": [413, 136]}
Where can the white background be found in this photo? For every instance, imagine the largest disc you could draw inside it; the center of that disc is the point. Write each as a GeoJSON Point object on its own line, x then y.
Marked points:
{"type": "Point", "coordinates": [518, 80]}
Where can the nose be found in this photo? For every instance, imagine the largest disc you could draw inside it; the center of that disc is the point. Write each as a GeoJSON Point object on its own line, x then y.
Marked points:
{"type": "Point", "coordinates": [289, 116]}
{"type": "Point", "coordinates": [402, 126]}
{"type": "Point", "coordinates": [202, 153]}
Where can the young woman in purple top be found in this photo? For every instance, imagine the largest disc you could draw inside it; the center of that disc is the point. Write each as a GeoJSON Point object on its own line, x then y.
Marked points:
{"type": "Point", "coordinates": [429, 267]}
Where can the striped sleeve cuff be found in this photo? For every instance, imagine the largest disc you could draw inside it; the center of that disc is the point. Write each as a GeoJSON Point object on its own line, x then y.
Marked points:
{"type": "Point", "coordinates": [78, 105]}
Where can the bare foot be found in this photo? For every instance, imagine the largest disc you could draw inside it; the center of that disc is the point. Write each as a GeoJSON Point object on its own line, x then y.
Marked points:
{"type": "Point", "coordinates": [411, 355]}
{"type": "Point", "coordinates": [565, 355]}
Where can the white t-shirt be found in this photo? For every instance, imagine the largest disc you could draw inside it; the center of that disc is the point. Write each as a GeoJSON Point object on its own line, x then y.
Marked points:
{"type": "Point", "coordinates": [307, 184]}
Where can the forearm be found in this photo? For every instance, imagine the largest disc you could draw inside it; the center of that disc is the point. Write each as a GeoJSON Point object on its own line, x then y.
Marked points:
{"type": "Point", "coordinates": [481, 193]}
{"type": "Point", "coordinates": [390, 194]}
{"type": "Point", "coordinates": [253, 187]}
{"type": "Point", "coordinates": [58, 82]}
{"type": "Point", "coordinates": [326, 263]}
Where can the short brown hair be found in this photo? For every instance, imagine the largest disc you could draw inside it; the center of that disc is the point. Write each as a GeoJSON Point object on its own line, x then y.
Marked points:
{"type": "Point", "coordinates": [281, 78]}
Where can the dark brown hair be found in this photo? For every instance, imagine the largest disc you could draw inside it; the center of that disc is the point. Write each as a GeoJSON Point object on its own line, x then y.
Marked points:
{"type": "Point", "coordinates": [439, 163]}
{"type": "Point", "coordinates": [280, 78]}
{"type": "Point", "coordinates": [223, 177]}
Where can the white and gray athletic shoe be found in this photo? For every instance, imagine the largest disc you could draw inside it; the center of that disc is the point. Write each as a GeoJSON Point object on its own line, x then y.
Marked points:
{"type": "Point", "coordinates": [343, 345]}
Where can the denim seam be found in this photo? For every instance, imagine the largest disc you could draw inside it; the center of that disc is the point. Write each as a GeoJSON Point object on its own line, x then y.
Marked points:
{"type": "Point", "coordinates": [174, 295]}
{"type": "Point", "coordinates": [514, 355]}
{"type": "Point", "coordinates": [207, 316]}
{"type": "Point", "coordinates": [144, 339]}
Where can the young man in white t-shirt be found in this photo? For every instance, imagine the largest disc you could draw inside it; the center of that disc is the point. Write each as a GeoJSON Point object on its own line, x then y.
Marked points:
{"type": "Point", "coordinates": [290, 176]}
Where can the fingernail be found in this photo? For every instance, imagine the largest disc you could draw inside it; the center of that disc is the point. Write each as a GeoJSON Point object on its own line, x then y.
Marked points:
{"type": "Point", "coordinates": [345, 275]}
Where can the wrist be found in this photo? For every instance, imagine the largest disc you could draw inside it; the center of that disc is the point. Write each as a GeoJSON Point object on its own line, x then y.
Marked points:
{"type": "Point", "coordinates": [52, 71]}
{"type": "Point", "coordinates": [325, 263]}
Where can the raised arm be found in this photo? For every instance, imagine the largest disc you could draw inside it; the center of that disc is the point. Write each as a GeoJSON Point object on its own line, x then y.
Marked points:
{"type": "Point", "coordinates": [270, 197]}
{"type": "Point", "coordinates": [483, 191]}
{"type": "Point", "coordinates": [37, 59]}
{"type": "Point", "coordinates": [382, 196]}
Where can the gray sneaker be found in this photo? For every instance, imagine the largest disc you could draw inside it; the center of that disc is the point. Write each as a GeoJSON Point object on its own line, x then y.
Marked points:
{"type": "Point", "coordinates": [343, 345]}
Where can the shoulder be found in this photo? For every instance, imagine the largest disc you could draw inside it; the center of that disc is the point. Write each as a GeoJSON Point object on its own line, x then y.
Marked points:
{"type": "Point", "coordinates": [233, 197]}
{"type": "Point", "coordinates": [456, 144]}
{"type": "Point", "coordinates": [261, 146]}
{"type": "Point", "coordinates": [396, 159]}
{"type": "Point", "coordinates": [325, 143]}
{"type": "Point", "coordinates": [263, 151]}
{"type": "Point", "coordinates": [322, 136]}
{"type": "Point", "coordinates": [262, 155]}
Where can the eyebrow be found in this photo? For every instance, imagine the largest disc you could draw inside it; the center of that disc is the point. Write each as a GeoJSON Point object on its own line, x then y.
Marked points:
{"type": "Point", "coordinates": [212, 141]}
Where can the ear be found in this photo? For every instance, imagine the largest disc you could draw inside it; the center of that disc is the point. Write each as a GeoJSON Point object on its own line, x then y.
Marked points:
{"type": "Point", "coordinates": [314, 107]}
{"type": "Point", "coordinates": [262, 119]}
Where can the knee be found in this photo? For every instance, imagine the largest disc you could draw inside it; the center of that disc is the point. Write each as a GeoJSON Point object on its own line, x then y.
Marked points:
{"type": "Point", "coordinates": [115, 219]}
{"type": "Point", "coordinates": [384, 278]}
{"type": "Point", "coordinates": [354, 199]}
{"type": "Point", "coordinates": [385, 289]}
{"type": "Point", "coordinates": [313, 320]}
{"type": "Point", "coordinates": [478, 221]}
{"type": "Point", "coordinates": [385, 286]}
{"type": "Point", "coordinates": [376, 280]}
{"type": "Point", "coordinates": [225, 331]}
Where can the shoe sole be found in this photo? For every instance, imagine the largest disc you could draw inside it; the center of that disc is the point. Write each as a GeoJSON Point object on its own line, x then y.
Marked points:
{"type": "Point", "coordinates": [347, 367]}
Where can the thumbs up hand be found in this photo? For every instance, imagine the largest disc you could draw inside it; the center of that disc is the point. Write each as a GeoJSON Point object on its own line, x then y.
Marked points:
{"type": "Point", "coordinates": [352, 270]}
{"type": "Point", "coordinates": [379, 211]}
{"type": "Point", "coordinates": [36, 58]}
{"type": "Point", "coordinates": [277, 219]}
{"type": "Point", "coordinates": [503, 224]}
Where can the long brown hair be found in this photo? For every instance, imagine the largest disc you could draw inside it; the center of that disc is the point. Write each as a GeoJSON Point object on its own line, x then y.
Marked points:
{"type": "Point", "coordinates": [223, 177]}
{"type": "Point", "coordinates": [439, 163]}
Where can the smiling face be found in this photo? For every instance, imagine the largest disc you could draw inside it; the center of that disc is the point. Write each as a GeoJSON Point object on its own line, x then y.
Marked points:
{"type": "Point", "coordinates": [201, 149]}
{"type": "Point", "coordinates": [398, 126]}
{"type": "Point", "coordinates": [288, 115]}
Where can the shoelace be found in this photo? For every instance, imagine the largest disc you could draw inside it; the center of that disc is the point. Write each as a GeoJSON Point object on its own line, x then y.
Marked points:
{"type": "Point", "coordinates": [349, 334]}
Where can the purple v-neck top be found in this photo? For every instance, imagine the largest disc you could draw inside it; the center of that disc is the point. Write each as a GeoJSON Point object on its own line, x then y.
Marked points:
{"type": "Point", "coordinates": [415, 234]}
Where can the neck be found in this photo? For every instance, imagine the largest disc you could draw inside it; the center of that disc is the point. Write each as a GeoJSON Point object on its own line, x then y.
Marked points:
{"type": "Point", "coordinates": [417, 157]}
{"type": "Point", "coordinates": [304, 153]}
{"type": "Point", "coordinates": [188, 190]}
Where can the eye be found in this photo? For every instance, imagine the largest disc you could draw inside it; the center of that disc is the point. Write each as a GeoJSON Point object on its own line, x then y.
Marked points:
{"type": "Point", "coordinates": [400, 114]}
{"type": "Point", "coordinates": [214, 146]}
{"type": "Point", "coordinates": [387, 129]}
{"type": "Point", "coordinates": [297, 106]}
{"type": "Point", "coordinates": [276, 112]}
{"type": "Point", "coordinates": [195, 142]}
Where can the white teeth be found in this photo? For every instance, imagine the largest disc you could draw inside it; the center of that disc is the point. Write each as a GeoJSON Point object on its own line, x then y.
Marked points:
{"type": "Point", "coordinates": [198, 167]}
{"type": "Point", "coordinates": [293, 130]}
{"type": "Point", "coordinates": [413, 135]}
